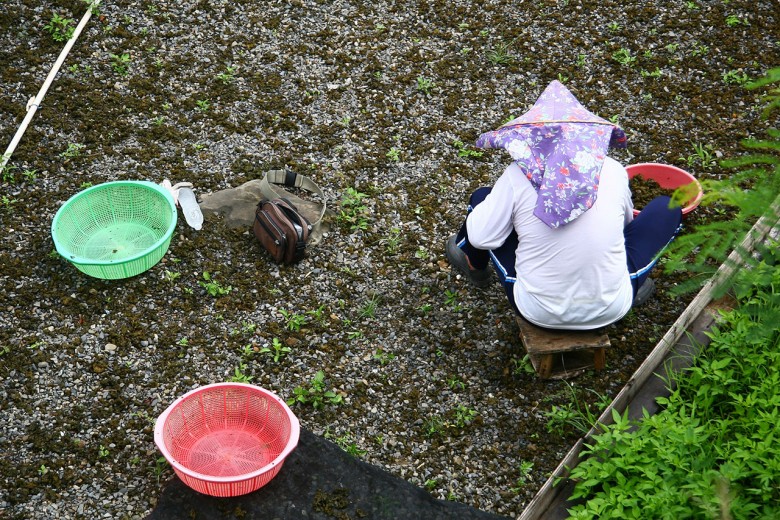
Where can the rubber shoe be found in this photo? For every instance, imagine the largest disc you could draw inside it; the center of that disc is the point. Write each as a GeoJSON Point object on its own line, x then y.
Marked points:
{"type": "Point", "coordinates": [644, 293]}
{"type": "Point", "coordinates": [457, 258]}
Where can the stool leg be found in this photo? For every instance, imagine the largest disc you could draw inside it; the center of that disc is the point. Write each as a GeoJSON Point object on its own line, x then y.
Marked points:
{"type": "Point", "coordinates": [599, 358]}
{"type": "Point", "coordinates": [545, 365]}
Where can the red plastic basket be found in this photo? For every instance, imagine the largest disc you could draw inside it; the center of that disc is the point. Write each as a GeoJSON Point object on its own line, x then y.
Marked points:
{"type": "Point", "coordinates": [668, 177]}
{"type": "Point", "coordinates": [227, 439]}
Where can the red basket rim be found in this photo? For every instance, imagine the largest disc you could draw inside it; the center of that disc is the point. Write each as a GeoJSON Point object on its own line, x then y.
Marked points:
{"type": "Point", "coordinates": [691, 205]}
{"type": "Point", "coordinates": [295, 430]}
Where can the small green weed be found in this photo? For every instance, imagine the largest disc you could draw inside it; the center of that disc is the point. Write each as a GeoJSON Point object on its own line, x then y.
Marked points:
{"type": "Point", "coordinates": [120, 63]}
{"type": "Point", "coordinates": [61, 29]}
{"type": "Point", "coordinates": [74, 150]}
{"type": "Point", "coordinates": [733, 20]}
{"type": "Point", "coordinates": [499, 55]}
{"type": "Point", "coordinates": [171, 276]}
{"type": "Point", "coordinates": [277, 350]}
{"type": "Point", "coordinates": [624, 57]}
{"type": "Point", "coordinates": [464, 416]}
{"type": "Point", "coordinates": [737, 77]}
{"type": "Point", "coordinates": [316, 394]}
{"type": "Point", "coordinates": [464, 151]}
{"type": "Point", "coordinates": [239, 375]}
{"type": "Point", "coordinates": [393, 241]}
{"type": "Point", "coordinates": [227, 77]}
{"type": "Point", "coordinates": [213, 287]}
{"type": "Point", "coordinates": [525, 471]}
{"type": "Point", "coordinates": [383, 357]}
{"type": "Point", "coordinates": [369, 308]}
{"type": "Point", "coordinates": [425, 85]}
{"type": "Point", "coordinates": [293, 320]}
{"type": "Point", "coordinates": [353, 210]}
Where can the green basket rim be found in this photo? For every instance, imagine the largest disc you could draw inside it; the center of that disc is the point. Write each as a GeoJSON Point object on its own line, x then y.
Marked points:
{"type": "Point", "coordinates": [75, 259]}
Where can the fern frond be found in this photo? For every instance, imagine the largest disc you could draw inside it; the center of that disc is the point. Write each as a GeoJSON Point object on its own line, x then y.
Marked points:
{"type": "Point", "coordinates": [771, 76]}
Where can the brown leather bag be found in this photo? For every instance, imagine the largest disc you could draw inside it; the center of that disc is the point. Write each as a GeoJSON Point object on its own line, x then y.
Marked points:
{"type": "Point", "coordinates": [282, 230]}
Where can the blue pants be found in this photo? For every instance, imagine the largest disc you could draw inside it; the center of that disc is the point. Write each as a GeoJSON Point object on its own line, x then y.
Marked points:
{"type": "Point", "coordinates": [646, 237]}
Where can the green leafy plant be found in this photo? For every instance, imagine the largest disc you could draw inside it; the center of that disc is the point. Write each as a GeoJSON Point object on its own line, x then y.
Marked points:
{"type": "Point", "coordinates": [464, 151]}
{"type": "Point", "coordinates": [353, 210]}
{"type": "Point", "coordinates": [368, 310]}
{"type": "Point", "coordinates": [347, 443]}
{"type": "Point", "coordinates": [61, 29]}
{"type": "Point", "coordinates": [464, 416]}
{"type": "Point", "coordinates": [227, 77]}
{"type": "Point", "coordinates": [120, 63]}
{"type": "Point", "coordinates": [239, 375]}
{"type": "Point", "coordinates": [499, 55]}
{"type": "Point", "coordinates": [715, 437]}
{"type": "Point", "coordinates": [7, 202]}
{"type": "Point", "coordinates": [624, 57]}
{"type": "Point", "coordinates": [425, 85]}
{"type": "Point", "coordinates": [318, 314]}
{"type": "Point", "coordinates": [73, 150]}
{"type": "Point", "coordinates": [393, 154]}
{"type": "Point", "coordinates": [383, 357]}
{"type": "Point", "coordinates": [317, 395]}
{"type": "Point", "coordinates": [523, 366]}
{"type": "Point", "coordinates": [433, 426]}
{"type": "Point", "coordinates": [700, 50]}
{"type": "Point", "coordinates": [733, 20]}
{"type": "Point", "coordinates": [702, 156]}
{"type": "Point", "coordinates": [393, 241]}
{"type": "Point", "coordinates": [7, 173]}
{"type": "Point", "coordinates": [171, 276]}
{"type": "Point", "coordinates": [158, 470]}
{"type": "Point", "coordinates": [277, 350]}
{"type": "Point", "coordinates": [455, 384]}
{"type": "Point", "coordinates": [213, 287]}
{"type": "Point", "coordinates": [293, 320]}
{"type": "Point", "coordinates": [525, 471]}
{"type": "Point", "coordinates": [202, 105]}
{"type": "Point", "coordinates": [103, 451]}
{"type": "Point", "coordinates": [737, 77]}
{"type": "Point", "coordinates": [573, 415]}
{"type": "Point", "coordinates": [93, 6]}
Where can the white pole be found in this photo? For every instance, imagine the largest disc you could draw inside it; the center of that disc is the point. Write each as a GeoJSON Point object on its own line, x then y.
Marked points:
{"type": "Point", "coordinates": [34, 103]}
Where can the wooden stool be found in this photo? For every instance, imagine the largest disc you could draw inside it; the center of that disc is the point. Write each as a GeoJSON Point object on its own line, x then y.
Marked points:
{"type": "Point", "coordinates": [560, 354]}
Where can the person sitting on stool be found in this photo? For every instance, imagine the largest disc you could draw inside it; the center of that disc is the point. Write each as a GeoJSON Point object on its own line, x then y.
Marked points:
{"type": "Point", "coordinates": [558, 224]}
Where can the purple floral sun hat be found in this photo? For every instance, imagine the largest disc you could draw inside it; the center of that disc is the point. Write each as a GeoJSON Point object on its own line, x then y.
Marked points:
{"type": "Point", "coordinates": [560, 146]}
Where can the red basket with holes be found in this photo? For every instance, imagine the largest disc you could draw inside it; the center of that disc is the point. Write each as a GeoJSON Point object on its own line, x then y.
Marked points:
{"type": "Point", "coordinates": [227, 439]}
{"type": "Point", "coordinates": [669, 177]}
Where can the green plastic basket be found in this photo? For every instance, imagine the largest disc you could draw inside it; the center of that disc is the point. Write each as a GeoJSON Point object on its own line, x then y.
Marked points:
{"type": "Point", "coordinates": [116, 229]}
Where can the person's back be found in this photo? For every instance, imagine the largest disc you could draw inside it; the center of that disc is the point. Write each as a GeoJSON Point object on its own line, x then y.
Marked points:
{"type": "Point", "coordinates": [574, 276]}
{"type": "Point", "coordinates": [557, 225]}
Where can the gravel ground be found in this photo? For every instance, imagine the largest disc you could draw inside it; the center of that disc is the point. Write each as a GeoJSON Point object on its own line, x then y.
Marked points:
{"type": "Point", "coordinates": [384, 99]}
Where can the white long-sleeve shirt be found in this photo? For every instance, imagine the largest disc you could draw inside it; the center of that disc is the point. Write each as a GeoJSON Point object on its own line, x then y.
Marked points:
{"type": "Point", "coordinates": [572, 277]}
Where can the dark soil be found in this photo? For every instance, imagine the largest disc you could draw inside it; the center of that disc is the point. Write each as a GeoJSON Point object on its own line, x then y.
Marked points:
{"type": "Point", "coordinates": [644, 190]}
{"type": "Point", "coordinates": [362, 95]}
